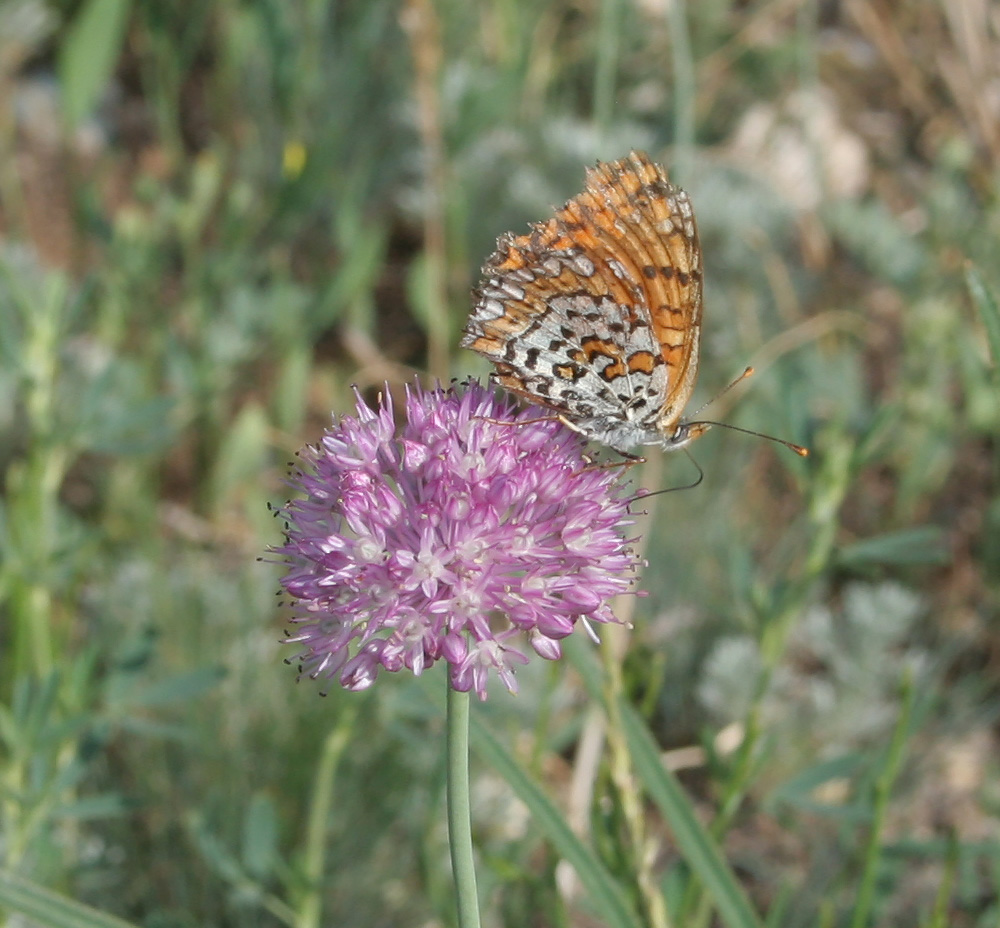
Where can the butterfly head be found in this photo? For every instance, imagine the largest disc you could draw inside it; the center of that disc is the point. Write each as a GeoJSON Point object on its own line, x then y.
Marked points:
{"type": "Point", "coordinates": [683, 435]}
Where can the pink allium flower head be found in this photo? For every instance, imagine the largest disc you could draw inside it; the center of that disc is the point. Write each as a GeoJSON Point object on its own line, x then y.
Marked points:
{"type": "Point", "coordinates": [452, 537]}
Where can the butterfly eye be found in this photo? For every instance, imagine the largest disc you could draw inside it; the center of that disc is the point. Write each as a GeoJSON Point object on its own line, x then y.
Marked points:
{"type": "Point", "coordinates": [684, 434]}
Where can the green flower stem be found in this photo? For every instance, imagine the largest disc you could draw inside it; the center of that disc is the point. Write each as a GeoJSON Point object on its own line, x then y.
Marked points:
{"type": "Point", "coordinates": [460, 810]}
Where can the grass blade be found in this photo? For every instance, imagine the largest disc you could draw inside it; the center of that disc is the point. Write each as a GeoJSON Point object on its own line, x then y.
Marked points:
{"type": "Point", "coordinates": [986, 303]}
{"type": "Point", "coordinates": [604, 892]}
{"type": "Point", "coordinates": [50, 909]}
{"type": "Point", "coordinates": [697, 846]}
{"type": "Point", "coordinates": [88, 56]}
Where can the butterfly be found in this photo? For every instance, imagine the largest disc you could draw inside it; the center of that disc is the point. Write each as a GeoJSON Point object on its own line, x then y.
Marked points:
{"type": "Point", "coordinates": [595, 313]}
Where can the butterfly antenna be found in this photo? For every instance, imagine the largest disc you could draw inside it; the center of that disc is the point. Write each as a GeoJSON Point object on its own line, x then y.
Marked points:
{"type": "Point", "coordinates": [718, 396]}
{"type": "Point", "coordinates": [686, 486]}
{"type": "Point", "coordinates": [800, 450]}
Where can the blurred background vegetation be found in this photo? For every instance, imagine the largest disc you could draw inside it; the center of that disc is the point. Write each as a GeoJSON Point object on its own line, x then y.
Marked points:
{"type": "Point", "coordinates": [216, 216]}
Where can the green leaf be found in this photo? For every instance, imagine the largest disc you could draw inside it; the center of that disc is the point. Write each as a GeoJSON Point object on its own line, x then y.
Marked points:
{"type": "Point", "coordinates": [88, 55]}
{"type": "Point", "coordinates": [94, 808]}
{"type": "Point", "coordinates": [418, 290]}
{"type": "Point", "coordinates": [113, 411]}
{"type": "Point", "coordinates": [181, 687]}
{"type": "Point", "coordinates": [799, 791]}
{"type": "Point", "coordinates": [260, 837]}
{"type": "Point", "coordinates": [606, 895]}
{"type": "Point", "coordinates": [242, 454]}
{"type": "Point", "coordinates": [291, 388]}
{"type": "Point", "coordinates": [987, 305]}
{"type": "Point", "coordinates": [140, 428]}
{"type": "Point", "coordinates": [52, 910]}
{"type": "Point", "coordinates": [925, 544]}
{"type": "Point", "coordinates": [698, 848]}
{"type": "Point", "coordinates": [215, 853]}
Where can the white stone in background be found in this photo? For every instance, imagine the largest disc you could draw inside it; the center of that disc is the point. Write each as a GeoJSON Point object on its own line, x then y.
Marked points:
{"type": "Point", "coordinates": [803, 148]}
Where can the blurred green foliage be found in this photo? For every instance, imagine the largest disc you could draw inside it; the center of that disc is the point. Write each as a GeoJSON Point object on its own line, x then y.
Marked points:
{"type": "Point", "coordinates": [215, 217]}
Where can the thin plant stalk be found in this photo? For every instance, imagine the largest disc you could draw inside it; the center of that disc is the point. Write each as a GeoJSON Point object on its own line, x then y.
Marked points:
{"type": "Point", "coordinates": [310, 909]}
{"type": "Point", "coordinates": [939, 914]}
{"type": "Point", "coordinates": [620, 759]}
{"type": "Point", "coordinates": [630, 796]}
{"type": "Point", "coordinates": [33, 486]}
{"type": "Point", "coordinates": [423, 28]}
{"type": "Point", "coordinates": [460, 810]}
{"type": "Point", "coordinates": [684, 89]}
{"type": "Point", "coordinates": [830, 489]}
{"type": "Point", "coordinates": [883, 792]}
{"type": "Point", "coordinates": [606, 55]}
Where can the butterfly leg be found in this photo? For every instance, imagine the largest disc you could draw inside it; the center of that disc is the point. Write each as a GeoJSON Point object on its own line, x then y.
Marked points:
{"type": "Point", "coordinates": [630, 461]}
{"type": "Point", "coordinates": [522, 421]}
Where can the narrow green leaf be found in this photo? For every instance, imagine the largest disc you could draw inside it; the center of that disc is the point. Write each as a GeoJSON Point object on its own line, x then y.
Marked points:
{"type": "Point", "coordinates": [697, 846]}
{"type": "Point", "coordinates": [94, 808]}
{"type": "Point", "coordinates": [986, 303]}
{"type": "Point", "coordinates": [215, 853]}
{"type": "Point", "coordinates": [242, 453]}
{"type": "Point", "coordinates": [51, 910]}
{"type": "Point", "coordinates": [260, 837]}
{"type": "Point", "coordinates": [418, 289]}
{"type": "Point", "coordinates": [288, 397]}
{"type": "Point", "coordinates": [182, 687]}
{"type": "Point", "coordinates": [606, 895]}
{"type": "Point", "coordinates": [799, 789]}
{"type": "Point", "coordinates": [925, 544]}
{"type": "Point", "coordinates": [89, 53]}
